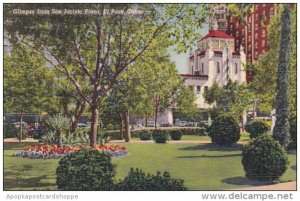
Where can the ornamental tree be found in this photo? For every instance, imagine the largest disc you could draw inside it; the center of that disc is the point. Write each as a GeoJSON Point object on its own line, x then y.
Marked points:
{"type": "Point", "coordinates": [282, 125]}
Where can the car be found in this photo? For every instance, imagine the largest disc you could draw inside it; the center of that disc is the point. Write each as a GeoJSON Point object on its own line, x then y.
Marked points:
{"type": "Point", "coordinates": [82, 125]}
{"type": "Point", "coordinates": [17, 125]}
{"type": "Point", "coordinates": [182, 123]}
{"type": "Point", "coordinates": [151, 124]}
{"type": "Point", "coordinates": [166, 124]}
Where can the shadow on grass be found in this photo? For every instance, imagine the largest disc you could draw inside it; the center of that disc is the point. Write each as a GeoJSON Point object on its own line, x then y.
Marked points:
{"type": "Point", "coordinates": [213, 147]}
{"type": "Point", "coordinates": [17, 145]}
{"type": "Point", "coordinates": [213, 156]}
{"type": "Point", "coordinates": [244, 181]}
{"type": "Point", "coordinates": [294, 167]}
{"type": "Point", "coordinates": [13, 180]}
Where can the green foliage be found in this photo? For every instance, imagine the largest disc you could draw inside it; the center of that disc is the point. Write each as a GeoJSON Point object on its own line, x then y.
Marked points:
{"type": "Point", "coordinates": [145, 135]}
{"type": "Point", "coordinates": [175, 134]}
{"type": "Point", "coordinates": [58, 124]}
{"type": "Point", "coordinates": [186, 105]}
{"type": "Point", "coordinates": [10, 131]}
{"type": "Point", "coordinates": [27, 82]}
{"type": "Point", "coordinates": [264, 159]}
{"type": "Point", "coordinates": [38, 133]}
{"type": "Point", "coordinates": [293, 133]}
{"type": "Point", "coordinates": [137, 180]}
{"type": "Point", "coordinates": [231, 99]}
{"type": "Point", "coordinates": [86, 170]}
{"type": "Point", "coordinates": [257, 128]}
{"type": "Point", "coordinates": [224, 130]}
{"type": "Point", "coordinates": [49, 138]}
{"type": "Point", "coordinates": [160, 136]}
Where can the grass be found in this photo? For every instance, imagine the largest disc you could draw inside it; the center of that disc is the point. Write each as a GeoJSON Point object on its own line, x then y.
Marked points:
{"type": "Point", "coordinates": [202, 166]}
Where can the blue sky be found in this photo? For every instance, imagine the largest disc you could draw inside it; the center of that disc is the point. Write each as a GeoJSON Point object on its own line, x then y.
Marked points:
{"type": "Point", "coordinates": [181, 59]}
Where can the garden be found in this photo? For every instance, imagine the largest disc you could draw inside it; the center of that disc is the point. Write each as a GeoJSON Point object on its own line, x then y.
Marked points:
{"type": "Point", "coordinates": [182, 166]}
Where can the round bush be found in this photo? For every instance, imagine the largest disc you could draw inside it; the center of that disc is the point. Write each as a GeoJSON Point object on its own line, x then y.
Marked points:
{"type": "Point", "coordinates": [175, 134]}
{"type": "Point", "coordinates": [264, 159]}
{"type": "Point", "coordinates": [224, 130]}
{"type": "Point", "coordinates": [85, 170]}
{"type": "Point", "coordinates": [257, 128]}
{"type": "Point", "coordinates": [145, 135]}
{"type": "Point", "coordinates": [160, 136]}
{"type": "Point", "coordinates": [137, 180]}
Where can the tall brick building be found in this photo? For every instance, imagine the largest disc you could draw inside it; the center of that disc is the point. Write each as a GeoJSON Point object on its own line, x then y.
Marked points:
{"type": "Point", "coordinates": [250, 32]}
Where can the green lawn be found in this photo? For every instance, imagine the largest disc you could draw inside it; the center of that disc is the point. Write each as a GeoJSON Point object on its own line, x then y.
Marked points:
{"type": "Point", "coordinates": [203, 167]}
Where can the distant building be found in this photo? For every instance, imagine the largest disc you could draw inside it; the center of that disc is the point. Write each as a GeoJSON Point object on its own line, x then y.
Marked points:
{"type": "Point", "coordinates": [214, 60]}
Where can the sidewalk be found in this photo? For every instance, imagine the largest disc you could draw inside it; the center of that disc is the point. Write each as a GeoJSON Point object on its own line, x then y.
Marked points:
{"type": "Point", "coordinates": [287, 186]}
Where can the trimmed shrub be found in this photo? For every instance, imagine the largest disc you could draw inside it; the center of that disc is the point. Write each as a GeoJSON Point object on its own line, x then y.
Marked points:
{"type": "Point", "coordinates": [137, 180]}
{"type": "Point", "coordinates": [145, 135]}
{"type": "Point", "coordinates": [224, 130]}
{"type": "Point", "coordinates": [175, 134]}
{"type": "Point", "coordinates": [257, 128]}
{"type": "Point", "coordinates": [10, 131]}
{"type": "Point", "coordinates": [293, 133]}
{"type": "Point", "coordinates": [160, 136]}
{"type": "Point", "coordinates": [85, 170]}
{"type": "Point", "coordinates": [264, 159]}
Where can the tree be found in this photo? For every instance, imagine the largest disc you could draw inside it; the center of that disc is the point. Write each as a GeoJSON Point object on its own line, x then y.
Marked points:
{"type": "Point", "coordinates": [282, 126]}
{"type": "Point", "coordinates": [27, 83]}
{"type": "Point", "coordinates": [232, 99]}
{"type": "Point", "coordinates": [102, 46]}
{"type": "Point", "coordinates": [72, 104]}
{"type": "Point", "coordinates": [186, 106]}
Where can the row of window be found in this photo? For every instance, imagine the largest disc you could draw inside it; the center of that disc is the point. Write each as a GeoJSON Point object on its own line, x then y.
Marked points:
{"type": "Point", "coordinates": [218, 66]}
{"type": "Point", "coordinates": [236, 67]}
{"type": "Point", "coordinates": [198, 88]}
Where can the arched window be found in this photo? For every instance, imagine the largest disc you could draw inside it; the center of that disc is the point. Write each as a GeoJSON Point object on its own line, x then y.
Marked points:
{"type": "Point", "coordinates": [236, 68]}
{"type": "Point", "coordinates": [218, 67]}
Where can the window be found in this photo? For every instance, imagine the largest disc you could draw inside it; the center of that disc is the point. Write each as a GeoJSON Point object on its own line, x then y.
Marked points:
{"type": "Point", "coordinates": [256, 45]}
{"type": "Point", "coordinates": [256, 16]}
{"type": "Point", "coordinates": [263, 33]}
{"type": "Point", "coordinates": [198, 89]}
{"type": "Point", "coordinates": [202, 68]}
{"type": "Point", "coordinates": [236, 68]}
{"type": "Point", "coordinates": [256, 26]}
{"type": "Point", "coordinates": [263, 43]}
{"type": "Point", "coordinates": [218, 67]}
{"type": "Point", "coordinates": [256, 35]}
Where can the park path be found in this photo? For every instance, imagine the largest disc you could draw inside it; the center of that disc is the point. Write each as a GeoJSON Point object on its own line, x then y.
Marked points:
{"type": "Point", "coordinates": [13, 140]}
{"type": "Point", "coordinates": [287, 186]}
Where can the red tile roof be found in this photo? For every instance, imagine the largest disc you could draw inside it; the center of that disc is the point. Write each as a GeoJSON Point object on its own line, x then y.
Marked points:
{"type": "Point", "coordinates": [217, 34]}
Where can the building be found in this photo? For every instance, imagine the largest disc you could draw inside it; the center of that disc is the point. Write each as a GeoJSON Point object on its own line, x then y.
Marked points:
{"type": "Point", "coordinates": [214, 60]}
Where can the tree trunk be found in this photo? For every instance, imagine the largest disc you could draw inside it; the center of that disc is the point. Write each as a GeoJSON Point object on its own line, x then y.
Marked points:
{"type": "Point", "coordinates": [59, 139]}
{"type": "Point", "coordinates": [146, 120]}
{"type": "Point", "coordinates": [282, 125]}
{"type": "Point", "coordinates": [121, 127]}
{"type": "Point", "coordinates": [156, 111]}
{"type": "Point", "coordinates": [127, 134]}
{"type": "Point", "coordinates": [80, 106]}
{"type": "Point", "coordinates": [21, 127]}
{"type": "Point", "coordinates": [95, 119]}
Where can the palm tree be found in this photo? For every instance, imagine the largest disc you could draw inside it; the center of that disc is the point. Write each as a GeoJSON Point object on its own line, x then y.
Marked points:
{"type": "Point", "coordinates": [59, 124]}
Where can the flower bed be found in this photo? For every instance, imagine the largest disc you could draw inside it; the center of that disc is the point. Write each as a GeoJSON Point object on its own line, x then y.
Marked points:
{"type": "Point", "coordinates": [53, 151]}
